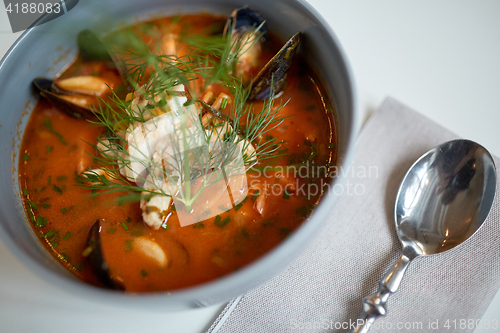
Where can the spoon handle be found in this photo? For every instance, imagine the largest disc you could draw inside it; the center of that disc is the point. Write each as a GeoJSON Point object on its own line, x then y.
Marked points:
{"type": "Point", "coordinates": [375, 306]}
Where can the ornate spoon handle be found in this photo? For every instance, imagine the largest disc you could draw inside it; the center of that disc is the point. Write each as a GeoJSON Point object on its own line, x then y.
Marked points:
{"type": "Point", "coordinates": [375, 306]}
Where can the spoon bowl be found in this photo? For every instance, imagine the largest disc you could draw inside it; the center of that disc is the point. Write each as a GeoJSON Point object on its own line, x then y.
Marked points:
{"type": "Point", "coordinates": [445, 197]}
{"type": "Point", "coordinates": [442, 201]}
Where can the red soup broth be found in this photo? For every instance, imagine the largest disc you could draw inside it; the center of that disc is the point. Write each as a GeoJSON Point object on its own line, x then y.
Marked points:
{"type": "Point", "coordinates": [57, 147]}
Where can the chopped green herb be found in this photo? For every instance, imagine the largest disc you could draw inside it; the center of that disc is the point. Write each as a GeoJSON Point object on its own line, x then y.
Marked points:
{"type": "Point", "coordinates": [144, 273]}
{"type": "Point", "coordinates": [64, 210]}
{"type": "Point", "coordinates": [245, 233]}
{"type": "Point", "coordinates": [128, 219]}
{"type": "Point", "coordinates": [110, 231]}
{"type": "Point", "coordinates": [88, 250]}
{"type": "Point", "coordinates": [48, 124]}
{"type": "Point", "coordinates": [238, 206]}
{"type": "Point", "coordinates": [49, 149]}
{"type": "Point", "coordinates": [310, 108]}
{"type": "Point", "coordinates": [223, 223]}
{"type": "Point", "coordinates": [284, 231]}
{"type": "Point", "coordinates": [267, 223]}
{"type": "Point", "coordinates": [128, 245]}
{"type": "Point", "coordinates": [67, 236]}
{"type": "Point", "coordinates": [255, 195]}
{"type": "Point", "coordinates": [286, 194]}
{"type": "Point", "coordinates": [79, 266]}
{"type": "Point", "coordinates": [54, 244]}
{"type": "Point", "coordinates": [224, 103]}
{"type": "Point", "coordinates": [176, 19]}
{"type": "Point", "coordinates": [41, 222]}
{"type": "Point", "coordinates": [32, 217]}
{"type": "Point", "coordinates": [50, 233]}
{"type": "Point", "coordinates": [269, 137]}
{"type": "Point", "coordinates": [57, 189]}
{"type": "Point", "coordinates": [52, 236]}
{"type": "Point", "coordinates": [124, 226]}
{"type": "Point", "coordinates": [198, 225]}
{"type": "Point", "coordinates": [32, 204]}
{"type": "Point", "coordinates": [26, 157]}
{"type": "Point", "coordinates": [50, 177]}
{"type": "Point", "coordinates": [162, 103]}
{"type": "Point", "coordinates": [332, 145]}
{"type": "Point", "coordinates": [61, 178]}
{"type": "Point", "coordinates": [44, 205]}
{"type": "Point", "coordinates": [65, 256]}
{"type": "Point", "coordinates": [304, 211]}
{"type": "Point", "coordinates": [223, 208]}
{"type": "Point", "coordinates": [25, 191]}
{"type": "Point", "coordinates": [164, 226]}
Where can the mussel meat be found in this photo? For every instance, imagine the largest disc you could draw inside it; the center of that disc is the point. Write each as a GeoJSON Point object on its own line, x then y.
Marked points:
{"type": "Point", "coordinates": [73, 95]}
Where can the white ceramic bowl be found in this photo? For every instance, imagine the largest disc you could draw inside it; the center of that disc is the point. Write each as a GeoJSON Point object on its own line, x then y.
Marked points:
{"type": "Point", "coordinates": [45, 49]}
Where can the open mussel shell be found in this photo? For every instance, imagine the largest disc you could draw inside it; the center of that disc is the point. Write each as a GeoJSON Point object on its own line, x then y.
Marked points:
{"type": "Point", "coordinates": [96, 257]}
{"type": "Point", "coordinates": [243, 19]}
{"type": "Point", "coordinates": [272, 77]}
{"type": "Point", "coordinates": [61, 98]}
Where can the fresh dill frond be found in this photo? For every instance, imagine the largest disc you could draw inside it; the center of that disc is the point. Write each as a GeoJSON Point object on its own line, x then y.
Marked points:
{"type": "Point", "coordinates": [123, 153]}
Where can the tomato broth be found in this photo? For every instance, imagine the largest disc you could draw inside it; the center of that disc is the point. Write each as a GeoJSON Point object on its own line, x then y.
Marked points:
{"type": "Point", "coordinates": [56, 148]}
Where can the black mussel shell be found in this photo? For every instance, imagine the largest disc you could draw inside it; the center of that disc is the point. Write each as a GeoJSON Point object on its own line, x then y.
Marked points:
{"type": "Point", "coordinates": [96, 258]}
{"type": "Point", "coordinates": [272, 77]}
{"type": "Point", "coordinates": [243, 19]}
{"type": "Point", "coordinates": [50, 91]}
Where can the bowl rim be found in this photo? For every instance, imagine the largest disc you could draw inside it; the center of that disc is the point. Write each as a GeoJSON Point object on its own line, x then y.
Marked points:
{"type": "Point", "coordinates": [193, 296]}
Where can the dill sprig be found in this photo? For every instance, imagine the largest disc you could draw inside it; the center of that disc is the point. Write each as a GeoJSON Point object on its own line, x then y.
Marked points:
{"type": "Point", "coordinates": [154, 77]}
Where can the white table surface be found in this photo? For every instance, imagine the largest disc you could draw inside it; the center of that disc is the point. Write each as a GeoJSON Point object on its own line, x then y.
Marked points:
{"type": "Point", "coordinates": [440, 57]}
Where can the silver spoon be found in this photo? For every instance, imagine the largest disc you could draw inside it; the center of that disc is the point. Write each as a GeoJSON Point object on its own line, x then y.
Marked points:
{"type": "Point", "coordinates": [442, 201]}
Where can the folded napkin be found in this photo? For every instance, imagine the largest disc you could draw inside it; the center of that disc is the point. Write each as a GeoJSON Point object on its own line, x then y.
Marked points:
{"type": "Point", "coordinates": [321, 291]}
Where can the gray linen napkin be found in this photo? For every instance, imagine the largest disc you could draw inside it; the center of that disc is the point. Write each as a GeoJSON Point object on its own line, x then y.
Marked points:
{"type": "Point", "coordinates": [323, 288]}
